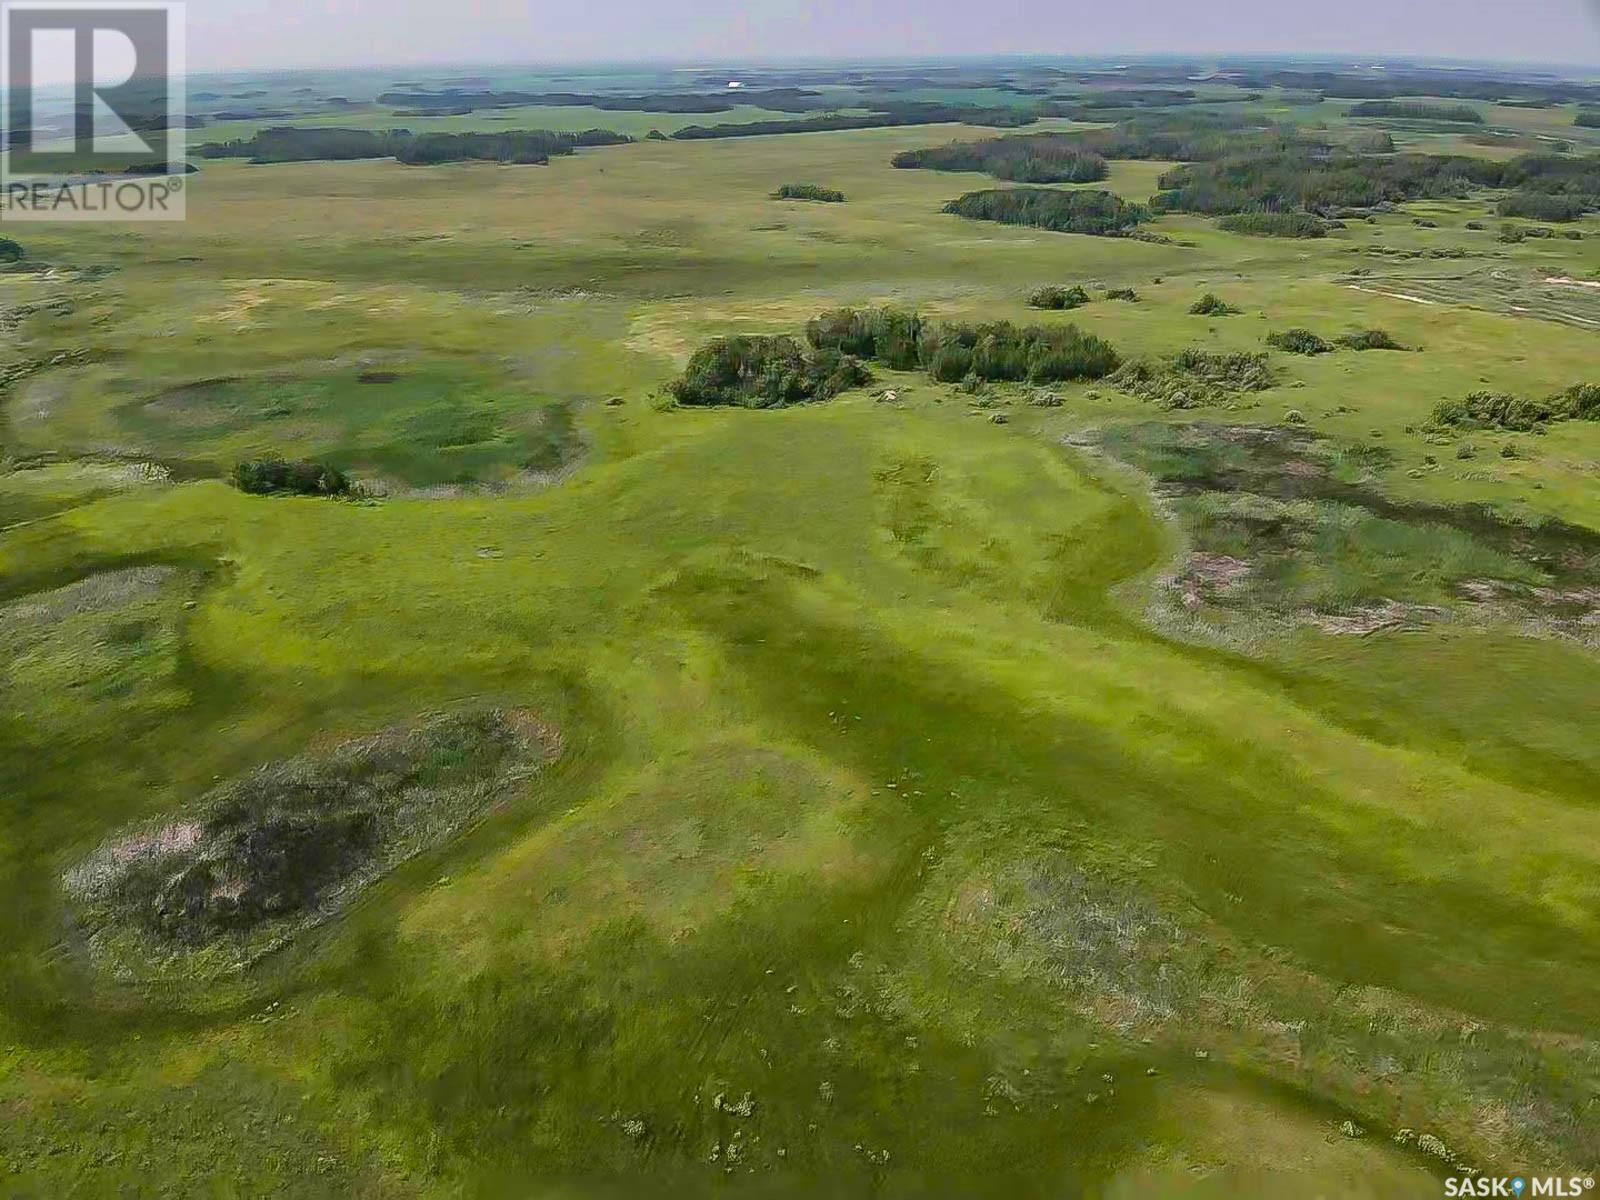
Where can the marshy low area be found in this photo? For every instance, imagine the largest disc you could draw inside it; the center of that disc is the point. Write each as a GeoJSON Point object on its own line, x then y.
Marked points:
{"type": "Point", "coordinates": [1285, 524]}
{"type": "Point", "coordinates": [251, 864]}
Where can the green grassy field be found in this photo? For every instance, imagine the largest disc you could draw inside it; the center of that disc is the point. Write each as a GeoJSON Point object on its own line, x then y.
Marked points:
{"type": "Point", "coordinates": [911, 835]}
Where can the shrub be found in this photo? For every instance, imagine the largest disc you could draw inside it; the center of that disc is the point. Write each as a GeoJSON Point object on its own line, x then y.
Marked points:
{"type": "Point", "coordinates": [1092, 212]}
{"type": "Point", "coordinates": [277, 476]}
{"type": "Point", "coordinates": [1055, 297]}
{"type": "Point", "coordinates": [1588, 118]}
{"type": "Point", "coordinates": [1275, 224]}
{"type": "Point", "coordinates": [1127, 294]}
{"type": "Point", "coordinates": [1580, 402]}
{"type": "Point", "coordinates": [11, 251]}
{"type": "Point", "coordinates": [1298, 341]}
{"type": "Point", "coordinates": [1195, 378]}
{"type": "Point", "coordinates": [1495, 410]}
{"type": "Point", "coordinates": [1370, 339]}
{"type": "Point", "coordinates": [1211, 305]}
{"type": "Point", "coordinates": [808, 191]}
{"type": "Point", "coordinates": [765, 372]}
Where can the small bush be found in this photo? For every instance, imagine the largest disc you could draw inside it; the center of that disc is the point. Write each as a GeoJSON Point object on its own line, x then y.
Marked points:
{"type": "Point", "coordinates": [1299, 341]}
{"type": "Point", "coordinates": [808, 191]}
{"type": "Point", "coordinates": [10, 251]}
{"type": "Point", "coordinates": [1211, 305]}
{"type": "Point", "coordinates": [1055, 297]}
{"type": "Point", "coordinates": [1494, 410]}
{"type": "Point", "coordinates": [280, 477]}
{"type": "Point", "coordinates": [1127, 294]}
{"type": "Point", "coordinates": [1370, 339]}
{"type": "Point", "coordinates": [1275, 224]}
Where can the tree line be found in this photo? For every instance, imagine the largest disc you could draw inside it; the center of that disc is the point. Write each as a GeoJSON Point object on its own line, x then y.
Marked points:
{"type": "Point", "coordinates": [289, 143]}
{"type": "Point", "coordinates": [1412, 110]}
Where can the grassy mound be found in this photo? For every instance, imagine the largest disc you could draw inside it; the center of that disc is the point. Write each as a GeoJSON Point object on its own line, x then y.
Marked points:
{"type": "Point", "coordinates": [263, 858]}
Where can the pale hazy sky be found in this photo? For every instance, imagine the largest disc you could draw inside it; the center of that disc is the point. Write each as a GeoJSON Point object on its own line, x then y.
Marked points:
{"type": "Point", "coordinates": [244, 34]}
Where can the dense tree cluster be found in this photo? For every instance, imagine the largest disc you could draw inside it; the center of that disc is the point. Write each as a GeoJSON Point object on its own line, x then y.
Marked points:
{"type": "Point", "coordinates": [290, 143]}
{"type": "Point", "coordinates": [278, 476]}
{"type": "Point", "coordinates": [1587, 118]}
{"type": "Point", "coordinates": [11, 251]}
{"type": "Point", "coordinates": [1543, 206]}
{"type": "Point", "coordinates": [1001, 351]}
{"type": "Point", "coordinates": [1028, 158]}
{"type": "Point", "coordinates": [1411, 110]}
{"type": "Point", "coordinates": [994, 352]}
{"type": "Point", "coordinates": [1092, 212]}
{"type": "Point", "coordinates": [891, 336]}
{"type": "Point", "coordinates": [808, 191]}
{"type": "Point", "coordinates": [765, 372]}
{"type": "Point", "coordinates": [1313, 178]}
{"type": "Point", "coordinates": [1080, 157]}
